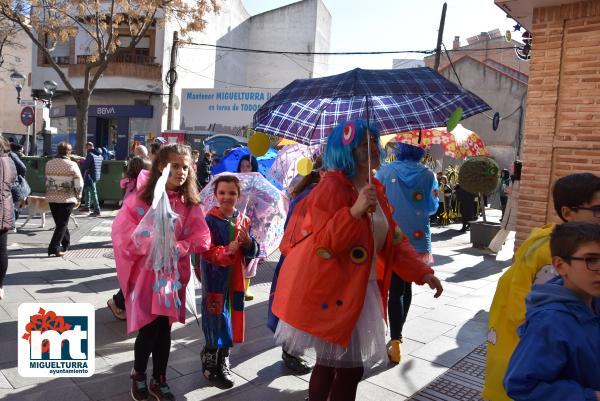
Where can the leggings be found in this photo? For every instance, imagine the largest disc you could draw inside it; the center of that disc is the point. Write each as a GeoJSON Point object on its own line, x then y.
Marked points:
{"type": "Point", "coordinates": [3, 256]}
{"type": "Point", "coordinates": [154, 338]}
{"type": "Point", "coordinates": [119, 299]}
{"type": "Point", "coordinates": [398, 305]}
{"type": "Point", "coordinates": [334, 384]}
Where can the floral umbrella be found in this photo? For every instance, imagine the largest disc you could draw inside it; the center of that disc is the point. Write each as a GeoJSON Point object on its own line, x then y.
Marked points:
{"type": "Point", "coordinates": [460, 143]}
{"type": "Point", "coordinates": [284, 169]}
{"type": "Point", "coordinates": [263, 203]}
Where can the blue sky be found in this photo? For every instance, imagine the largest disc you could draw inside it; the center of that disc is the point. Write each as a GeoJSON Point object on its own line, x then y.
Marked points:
{"type": "Point", "coordinates": [384, 25]}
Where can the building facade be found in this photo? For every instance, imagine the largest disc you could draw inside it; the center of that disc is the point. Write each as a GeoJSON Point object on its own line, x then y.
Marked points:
{"type": "Point", "coordinates": [562, 126]}
{"type": "Point", "coordinates": [17, 58]}
{"type": "Point", "coordinates": [130, 102]}
{"type": "Point", "coordinates": [500, 78]}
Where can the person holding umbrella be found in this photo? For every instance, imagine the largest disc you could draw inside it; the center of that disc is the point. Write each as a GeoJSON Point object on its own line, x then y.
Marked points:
{"type": "Point", "coordinates": [332, 288]}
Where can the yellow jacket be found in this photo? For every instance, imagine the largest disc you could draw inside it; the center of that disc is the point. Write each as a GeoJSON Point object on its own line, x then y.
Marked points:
{"type": "Point", "coordinates": [507, 312]}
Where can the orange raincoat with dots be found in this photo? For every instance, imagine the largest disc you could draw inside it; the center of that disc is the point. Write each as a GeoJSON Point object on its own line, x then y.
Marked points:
{"type": "Point", "coordinates": [323, 281]}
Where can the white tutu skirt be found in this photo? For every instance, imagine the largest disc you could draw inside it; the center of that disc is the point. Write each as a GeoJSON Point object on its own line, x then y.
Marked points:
{"type": "Point", "coordinates": [367, 347]}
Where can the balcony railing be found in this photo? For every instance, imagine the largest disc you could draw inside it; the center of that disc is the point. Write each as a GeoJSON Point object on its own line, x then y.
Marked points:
{"type": "Point", "coordinates": [129, 58]}
{"type": "Point", "coordinates": [125, 65]}
{"type": "Point", "coordinates": [60, 60]}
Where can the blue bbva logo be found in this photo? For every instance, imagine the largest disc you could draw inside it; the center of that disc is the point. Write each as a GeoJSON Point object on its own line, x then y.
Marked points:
{"type": "Point", "coordinates": [56, 340]}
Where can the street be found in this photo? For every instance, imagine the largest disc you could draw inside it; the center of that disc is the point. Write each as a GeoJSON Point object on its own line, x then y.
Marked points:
{"type": "Point", "coordinates": [438, 334]}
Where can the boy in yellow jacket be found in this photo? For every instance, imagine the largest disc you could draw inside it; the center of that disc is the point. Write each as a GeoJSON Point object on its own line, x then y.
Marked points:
{"type": "Point", "coordinates": [576, 198]}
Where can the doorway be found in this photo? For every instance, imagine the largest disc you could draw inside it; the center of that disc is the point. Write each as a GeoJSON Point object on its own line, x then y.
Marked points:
{"type": "Point", "coordinates": [106, 133]}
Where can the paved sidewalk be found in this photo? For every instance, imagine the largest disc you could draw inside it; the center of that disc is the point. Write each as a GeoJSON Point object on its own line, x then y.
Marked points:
{"type": "Point", "coordinates": [438, 334]}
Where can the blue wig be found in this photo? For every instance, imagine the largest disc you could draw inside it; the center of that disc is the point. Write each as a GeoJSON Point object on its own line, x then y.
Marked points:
{"type": "Point", "coordinates": [338, 156]}
{"type": "Point", "coordinates": [403, 151]}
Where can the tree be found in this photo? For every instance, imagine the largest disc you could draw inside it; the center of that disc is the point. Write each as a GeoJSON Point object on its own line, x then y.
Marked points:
{"type": "Point", "coordinates": [8, 35]}
{"type": "Point", "coordinates": [101, 22]}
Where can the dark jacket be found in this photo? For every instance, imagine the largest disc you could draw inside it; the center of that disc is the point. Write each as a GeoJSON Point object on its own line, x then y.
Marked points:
{"type": "Point", "coordinates": [558, 357]}
{"type": "Point", "coordinates": [92, 166]}
{"type": "Point", "coordinates": [20, 189]}
{"type": "Point", "coordinates": [203, 170]}
{"type": "Point", "coordinates": [20, 166]}
{"type": "Point", "coordinates": [8, 177]}
{"type": "Point", "coordinates": [467, 204]}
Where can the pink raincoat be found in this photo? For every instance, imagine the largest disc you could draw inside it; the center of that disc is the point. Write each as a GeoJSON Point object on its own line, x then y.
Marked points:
{"type": "Point", "coordinates": [135, 278]}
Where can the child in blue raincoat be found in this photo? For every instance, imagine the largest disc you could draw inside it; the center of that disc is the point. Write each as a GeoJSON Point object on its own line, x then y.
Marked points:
{"type": "Point", "coordinates": [412, 190]}
{"type": "Point", "coordinates": [558, 357]}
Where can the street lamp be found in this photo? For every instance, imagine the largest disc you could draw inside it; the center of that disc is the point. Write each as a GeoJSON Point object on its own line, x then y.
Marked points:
{"type": "Point", "coordinates": [18, 81]}
{"type": "Point", "coordinates": [50, 88]}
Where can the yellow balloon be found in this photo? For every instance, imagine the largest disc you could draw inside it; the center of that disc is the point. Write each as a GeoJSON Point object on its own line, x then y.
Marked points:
{"type": "Point", "coordinates": [304, 166]}
{"type": "Point", "coordinates": [258, 144]}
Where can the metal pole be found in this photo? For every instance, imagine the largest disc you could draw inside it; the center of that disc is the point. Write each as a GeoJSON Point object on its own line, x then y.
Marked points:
{"type": "Point", "coordinates": [27, 140]}
{"type": "Point", "coordinates": [172, 78]}
{"type": "Point", "coordinates": [438, 48]}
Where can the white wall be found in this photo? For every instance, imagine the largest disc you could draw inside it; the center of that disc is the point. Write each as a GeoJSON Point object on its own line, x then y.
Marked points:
{"type": "Point", "coordinates": [294, 28]}
{"type": "Point", "coordinates": [15, 59]}
{"type": "Point", "coordinates": [322, 41]}
{"type": "Point", "coordinates": [199, 66]}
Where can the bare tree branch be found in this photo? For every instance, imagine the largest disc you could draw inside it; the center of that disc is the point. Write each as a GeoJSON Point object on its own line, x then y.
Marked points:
{"type": "Point", "coordinates": [101, 23]}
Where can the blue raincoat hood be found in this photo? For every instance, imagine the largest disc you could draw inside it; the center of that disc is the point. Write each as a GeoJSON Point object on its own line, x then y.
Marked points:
{"type": "Point", "coordinates": [409, 186]}
{"type": "Point", "coordinates": [554, 296]}
{"type": "Point", "coordinates": [558, 357]}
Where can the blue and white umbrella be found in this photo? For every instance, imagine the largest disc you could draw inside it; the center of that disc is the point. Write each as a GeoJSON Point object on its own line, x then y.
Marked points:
{"type": "Point", "coordinates": [399, 100]}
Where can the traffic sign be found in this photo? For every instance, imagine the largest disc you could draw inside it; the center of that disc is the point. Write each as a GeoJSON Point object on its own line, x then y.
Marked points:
{"type": "Point", "coordinates": [27, 116]}
{"type": "Point", "coordinates": [27, 102]}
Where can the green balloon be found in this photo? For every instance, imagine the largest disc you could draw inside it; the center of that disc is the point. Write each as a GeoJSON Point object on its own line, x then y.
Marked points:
{"type": "Point", "coordinates": [454, 119]}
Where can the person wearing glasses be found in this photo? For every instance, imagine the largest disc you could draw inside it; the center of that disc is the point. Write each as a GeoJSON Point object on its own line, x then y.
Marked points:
{"type": "Point", "coordinates": [558, 357]}
{"type": "Point", "coordinates": [576, 198]}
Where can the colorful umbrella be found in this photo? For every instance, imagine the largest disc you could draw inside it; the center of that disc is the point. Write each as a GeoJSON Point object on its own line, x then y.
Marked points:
{"type": "Point", "coordinates": [232, 160]}
{"type": "Point", "coordinates": [459, 144]}
{"type": "Point", "coordinates": [262, 202]}
{"type": "Point", "coordinates": [285, 167]}
{"type": "Point", "coordinates": [398, 100]}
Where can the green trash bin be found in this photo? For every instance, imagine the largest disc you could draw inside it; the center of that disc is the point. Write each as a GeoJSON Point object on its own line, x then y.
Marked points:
{"type": "Point", "coordinates": [108, 187]}
{"type": "Point", "coordinates": [36, 172]}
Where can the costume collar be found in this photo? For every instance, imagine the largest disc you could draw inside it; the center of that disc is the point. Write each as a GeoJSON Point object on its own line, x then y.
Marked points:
{"type": "Point", "coordinates": [216, 212]}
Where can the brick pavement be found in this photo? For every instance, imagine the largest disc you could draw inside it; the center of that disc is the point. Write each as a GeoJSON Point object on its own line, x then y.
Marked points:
{"type": "Point", "coordinates": [442, 336]}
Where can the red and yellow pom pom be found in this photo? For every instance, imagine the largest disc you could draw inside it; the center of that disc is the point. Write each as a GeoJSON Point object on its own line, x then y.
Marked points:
{"type": "Point", "coordinates": [349, 132]}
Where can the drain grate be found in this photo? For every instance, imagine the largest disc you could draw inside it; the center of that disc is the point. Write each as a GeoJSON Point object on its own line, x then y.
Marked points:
{"type": "Point", "coordinates": [462, 382]}
{"type": "Point", "coordinates": [90, 253]}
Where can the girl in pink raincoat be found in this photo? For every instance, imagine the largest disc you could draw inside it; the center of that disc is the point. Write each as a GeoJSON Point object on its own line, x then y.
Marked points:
{"type": "Point", "coordinates": [149, 305]}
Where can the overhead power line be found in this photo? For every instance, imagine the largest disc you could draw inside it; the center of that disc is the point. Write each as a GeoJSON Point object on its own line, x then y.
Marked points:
{"type": "Point", "coordinates": [354, 53]}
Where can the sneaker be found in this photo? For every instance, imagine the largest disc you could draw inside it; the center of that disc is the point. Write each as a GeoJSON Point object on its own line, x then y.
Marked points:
{"type": "Point", "coordinates": [160, 389]}
{"type": "Point", "coordinates": [209, 358]}
{"type": "Point", "coordinates": [295, 364]}
{"type": "Point", "coordinates": [394, 352]}
{"type": "Point", "coordinates": [95, 213]}
{"type": "Point", "coordinates": [117, 312]}
{"type": "Point", "coordinates": [139, 388]}
{"type": "Point", "coordinates": [1, 293]}
{"type": "Point", "coordinates": [225, 378]}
